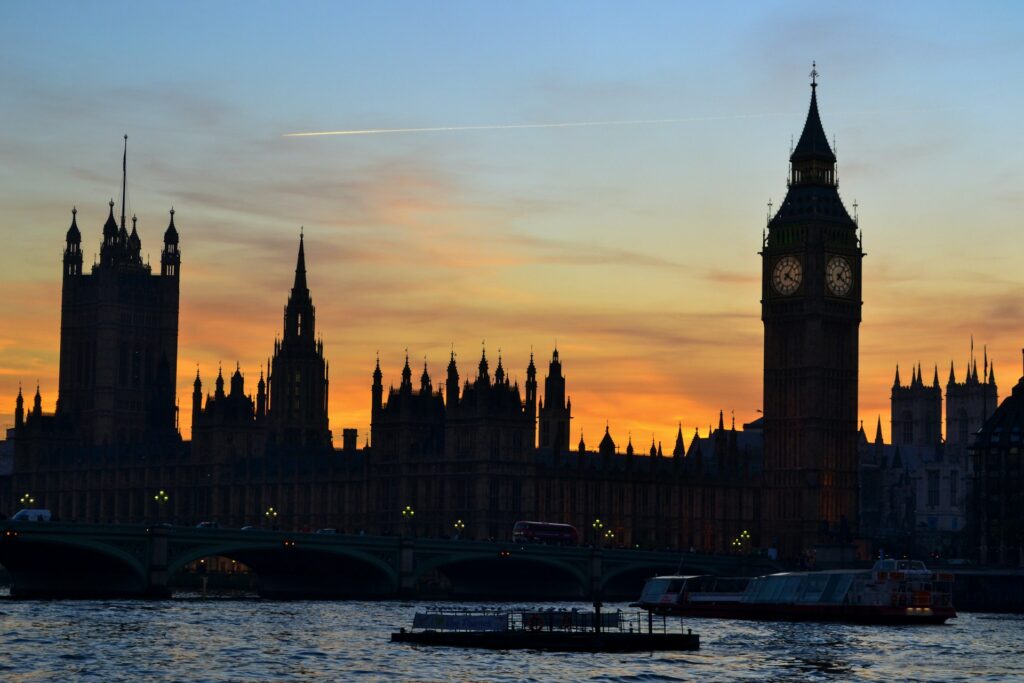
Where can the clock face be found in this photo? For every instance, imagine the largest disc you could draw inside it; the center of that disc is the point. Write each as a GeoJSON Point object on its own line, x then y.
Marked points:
{"type": "Point", "coordinates": [839, 276]}
{"type": "Point", "coordinates": [787, 275]}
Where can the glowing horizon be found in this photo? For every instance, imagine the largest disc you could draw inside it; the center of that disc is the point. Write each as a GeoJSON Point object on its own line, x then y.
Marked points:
{"type": "Point", "coordinates": [629, 239]}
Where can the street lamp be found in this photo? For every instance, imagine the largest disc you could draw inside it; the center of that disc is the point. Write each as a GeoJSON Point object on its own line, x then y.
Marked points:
{"type": "Point", "coordinates": [161, 499]}
{"type": "Point", "coordinates": [271, 515]}
{"type": "Point", "coordinates": [459, 526]}
{"type": "Point", "coordinates": [27, 500]}
{"type": "Point", "coordinates": [609, 536]}
{"type": "Point", "coordinates": [408, 514]}
{"type": "Point", "coordinates": [598, 525]}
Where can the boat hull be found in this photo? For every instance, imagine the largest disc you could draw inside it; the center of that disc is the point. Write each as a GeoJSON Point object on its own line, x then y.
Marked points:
{"type": "Point", "coordinates": [554, 641]}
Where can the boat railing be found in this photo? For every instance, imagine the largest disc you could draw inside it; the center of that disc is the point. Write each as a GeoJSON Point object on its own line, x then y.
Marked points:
{"type": "Point", "coordinates": [549, 620]}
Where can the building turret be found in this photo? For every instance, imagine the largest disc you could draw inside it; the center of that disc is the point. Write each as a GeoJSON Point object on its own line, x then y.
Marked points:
{"type": "Point", "coordinates": [531, 399]}
{"type": "Point", "coordinates": [878, 432]}
{"type": "Point", "coordinates": [406, 376]}
{"type": "Point", "coordinates": [499, 373]}
{"type": "Point", "coordinates": [19, 409]}
{"type": "Point", "coordinates": [607, 445]}
{"type": "Point", "coordinates": [680, 448]}
{"type": "Point", "coordinates": [582, 447]}
{"type": "Point", "coordinates": [237, 382]}
{"type": "Point", "coordinates": [556, 411]}
{"type": "Point", "coordinates": [483, 376]}
{"type": "Point", "coordinates": [37, 404]}
{"type": "Point", "coordinates": [135, 243]}
{"type": "Point", "coordinates": [451, 386]}
{"type": "Point", "coordinates": [219, 385]}
{"type": "Point", "coordinates": [629, 446]}
{"type": "Point", "coordinates": [197, 401]}
{"type": "Point", "coordinates": [170, 257]}
{"type": "Point", "coordinates": [261, 398]}
{"type": "Point", "coordinates": [654, 449]}
{"type": "Point", "coordinates": [377, 389]}
{"type": "Point", "coordinates": [425, 385]}
{"type": "Point", "coordinates": [73, 248]}
{"type": "Point", "coordinates": [108, 249]}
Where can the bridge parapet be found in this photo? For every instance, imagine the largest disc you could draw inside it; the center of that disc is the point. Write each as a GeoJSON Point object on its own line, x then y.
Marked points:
{"type": "Point", "coordinates": [135, 560]}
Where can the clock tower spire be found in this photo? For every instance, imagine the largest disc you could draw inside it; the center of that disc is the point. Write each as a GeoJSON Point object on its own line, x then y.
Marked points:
{"type": "Point", "coordinates": [811, 309]}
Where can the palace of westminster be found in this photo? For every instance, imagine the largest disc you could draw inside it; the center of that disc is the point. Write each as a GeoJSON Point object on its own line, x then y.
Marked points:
{"type": "Point", "coordinates": [472, 453]}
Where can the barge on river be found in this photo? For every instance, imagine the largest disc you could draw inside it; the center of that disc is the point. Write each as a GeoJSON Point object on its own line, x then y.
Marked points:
{"type": "Point", "coordinates": [555, 630]}
{"type": "Point", "coordinates": [891, 592]}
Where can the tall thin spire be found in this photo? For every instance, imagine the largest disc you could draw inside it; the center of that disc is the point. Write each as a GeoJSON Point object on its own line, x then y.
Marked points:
{"type": "Point", "coordinates": [300, 265]}
{"type": "Point", "coordinates": [813, 143]}
{"type": "Point", "coordinates": [124, 178]}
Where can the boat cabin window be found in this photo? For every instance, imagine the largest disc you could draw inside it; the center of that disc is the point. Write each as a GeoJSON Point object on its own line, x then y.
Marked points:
{"type": "Point", "coordinates": [654, 589]}
{"type": "Point", "coordinates": [813, 587]}
{"type": "Point", "coordinates": [790, 588]}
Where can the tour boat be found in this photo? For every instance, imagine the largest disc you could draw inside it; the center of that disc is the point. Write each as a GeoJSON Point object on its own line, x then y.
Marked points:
{"type": "Point", "coordinates": [548, 629]}
{"type": "Point", "coordinates": [891, 592]}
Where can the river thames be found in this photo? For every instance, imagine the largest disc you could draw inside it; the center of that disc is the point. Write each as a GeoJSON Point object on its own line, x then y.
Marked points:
{"type": "Point", "coordinates": [190, 639]}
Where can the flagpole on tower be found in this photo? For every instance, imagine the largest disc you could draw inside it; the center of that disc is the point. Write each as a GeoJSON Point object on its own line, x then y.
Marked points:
{"type": "Point", "coordinates": [124, 177]}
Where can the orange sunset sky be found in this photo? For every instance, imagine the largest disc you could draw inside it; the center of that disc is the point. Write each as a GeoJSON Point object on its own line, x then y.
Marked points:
{"type": "Point", "coordinates": [632, 245]}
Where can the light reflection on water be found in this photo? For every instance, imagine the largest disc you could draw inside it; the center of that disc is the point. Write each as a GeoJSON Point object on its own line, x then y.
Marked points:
{"type": "Point", "coordinates": [252, 640]}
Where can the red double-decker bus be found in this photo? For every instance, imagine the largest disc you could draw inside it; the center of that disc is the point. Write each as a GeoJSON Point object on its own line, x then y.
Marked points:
{"type": "Point", "coordinates": [545, 532]}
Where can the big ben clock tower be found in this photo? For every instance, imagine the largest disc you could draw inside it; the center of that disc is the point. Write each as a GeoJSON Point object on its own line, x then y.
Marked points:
{"type": "Point", "coordinates": [811, 308]}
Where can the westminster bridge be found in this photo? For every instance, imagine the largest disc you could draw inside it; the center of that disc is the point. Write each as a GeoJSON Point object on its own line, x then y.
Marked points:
{"type": "Point", "coordinates": [52, 559]}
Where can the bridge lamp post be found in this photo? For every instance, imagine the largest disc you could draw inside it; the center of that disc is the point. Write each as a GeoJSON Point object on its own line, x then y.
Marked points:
{"type": "Point", "coordinates": [27, 500]}
{"type": "Point", "coordinates": [598, 525]}
{"type": "Point", "coordinates": [408, 515]}
{"type": "Point", "coordinates": [609, 537]}
{"type": "Point", "coordinates": [161, 499]}
{"type": "Point", "coordinates": [459, 526]}
{"type": "Point", "coordinates": [271, 516]}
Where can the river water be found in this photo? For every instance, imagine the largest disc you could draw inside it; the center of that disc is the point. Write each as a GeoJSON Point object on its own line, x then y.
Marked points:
{"type": "Point", "coordinates": [191, 639]}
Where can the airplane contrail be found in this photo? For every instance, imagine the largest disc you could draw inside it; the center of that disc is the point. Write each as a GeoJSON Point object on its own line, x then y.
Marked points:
{"type": "Point", "coordinates": [513, 126]}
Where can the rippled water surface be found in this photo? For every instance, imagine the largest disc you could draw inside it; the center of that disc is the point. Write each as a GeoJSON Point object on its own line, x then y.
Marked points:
{"type": "Point", "coordinates": [252, 640]}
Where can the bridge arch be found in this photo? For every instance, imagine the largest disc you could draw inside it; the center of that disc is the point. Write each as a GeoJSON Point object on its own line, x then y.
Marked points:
{"type": "Point", "coordinates": [314, 570]}
{"type": "Point", "coordinates": [63, 566]}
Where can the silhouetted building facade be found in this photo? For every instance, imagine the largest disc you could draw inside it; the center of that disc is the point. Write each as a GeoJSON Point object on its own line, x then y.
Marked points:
{"type": "Point", "coordinates": [916, 492]}
{"type": "Point", "coordinates": [119, 338]}
{"type": "Point", "coordinates": [998, 504]}
{"type": "Point", "coordinates": [811, 308]}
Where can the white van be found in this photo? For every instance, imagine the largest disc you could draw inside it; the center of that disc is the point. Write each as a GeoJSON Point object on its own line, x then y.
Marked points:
{"type": "Point", "coordinates": [31, 516]}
